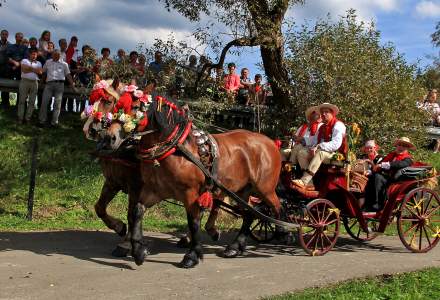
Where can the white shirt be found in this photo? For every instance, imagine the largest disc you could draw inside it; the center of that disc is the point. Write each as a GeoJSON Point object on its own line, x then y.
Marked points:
{"type": "Point", "coordinates": [62, 56]}
{"type": "Point", "coordinates": [56, 70]}
{"type": "Point", "coordinates": [336, 141]}
{"type": "Point", "coordinates": [310, 141]}
{"type": "Point", "coordinates": [31, 75]}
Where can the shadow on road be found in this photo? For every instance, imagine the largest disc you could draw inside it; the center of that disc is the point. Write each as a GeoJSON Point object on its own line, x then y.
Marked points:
{"type": "Point", "coordinates": [96, 246]}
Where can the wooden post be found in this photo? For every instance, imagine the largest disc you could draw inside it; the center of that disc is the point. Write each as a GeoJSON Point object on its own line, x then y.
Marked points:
{"type": "Point", "coordinates": [33, 174]}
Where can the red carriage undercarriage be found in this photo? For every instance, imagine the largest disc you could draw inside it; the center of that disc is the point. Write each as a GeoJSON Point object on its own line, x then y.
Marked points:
{"type": "Point", "coordinates": [411, 203]}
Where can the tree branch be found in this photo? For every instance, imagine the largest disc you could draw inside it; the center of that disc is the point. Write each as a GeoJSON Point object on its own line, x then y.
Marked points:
{"type": "Point", "coordinates": [240, 42]}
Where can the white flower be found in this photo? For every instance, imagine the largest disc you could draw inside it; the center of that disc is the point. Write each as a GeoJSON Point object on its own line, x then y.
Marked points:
{"type": "Point", "coordinates": [139, 114]}
{"type": "Point", "coordinates": [138, 93]}
{"type": "Point", "coordinates": [123, 118]}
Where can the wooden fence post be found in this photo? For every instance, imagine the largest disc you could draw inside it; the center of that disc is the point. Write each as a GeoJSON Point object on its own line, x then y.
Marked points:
{"type": "Point", "coordinates": [34, 153]}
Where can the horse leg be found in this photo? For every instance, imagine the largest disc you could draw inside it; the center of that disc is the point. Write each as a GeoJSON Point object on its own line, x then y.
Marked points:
{"type": "Point", "coordinates": [238, 246]}
{"type": "Point", "coordinates": [185, 241]}
{"type": "Point", "coordinates": [123, 248]}
{"type": "Point", "coordinates": [108, 192]}
{"type": "Point", "coordinates": [210, 227]}
{"type": "Point", "coordinates": [191, 258]}
{"type": "Point", "coordinates": [137, 247]}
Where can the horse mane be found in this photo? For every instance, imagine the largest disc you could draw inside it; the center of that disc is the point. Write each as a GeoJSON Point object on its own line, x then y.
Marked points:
{"type": "Point", "coordinates": [166, 116]}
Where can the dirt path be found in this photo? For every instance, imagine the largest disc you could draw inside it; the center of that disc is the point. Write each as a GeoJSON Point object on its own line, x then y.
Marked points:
{"type": "Point", "coordinates": [77, 265]}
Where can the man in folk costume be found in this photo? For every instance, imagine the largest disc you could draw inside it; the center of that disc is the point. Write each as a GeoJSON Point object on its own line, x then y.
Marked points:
{"type": "Point", "coordinates": [383, 173]}
{"type": "Point", "coordinates": [329, 140]}
{"type": "Point", "coordinates": [305, 137]}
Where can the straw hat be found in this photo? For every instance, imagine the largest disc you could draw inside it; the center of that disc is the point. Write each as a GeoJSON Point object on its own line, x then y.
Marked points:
{"type": "Point", "coordinates": [332, 107]}
{"type": "Point", "coordinates": [310, 111]}
{"type": "Point", "coordinates": [404, 141]}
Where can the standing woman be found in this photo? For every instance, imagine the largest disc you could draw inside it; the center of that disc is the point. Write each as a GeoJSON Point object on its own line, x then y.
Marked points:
{"type": "Point", "coordinates": [43, 43]}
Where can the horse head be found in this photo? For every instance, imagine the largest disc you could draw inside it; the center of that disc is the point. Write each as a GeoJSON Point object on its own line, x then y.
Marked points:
{"type": "Point", "coordinates": [99, 113]}
{"type": "Point", "coordinates": [149, 123]}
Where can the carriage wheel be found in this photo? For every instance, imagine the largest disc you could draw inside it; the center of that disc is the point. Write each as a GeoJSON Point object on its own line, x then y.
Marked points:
{"type": "Point", "coordinates": [319, 231]}
{"type": "Point", "coordinates": [418, 220]}
{"type": "Point", "coordinates": [263, 231]}
{"type": "Point", "coordinates": [354, 229]}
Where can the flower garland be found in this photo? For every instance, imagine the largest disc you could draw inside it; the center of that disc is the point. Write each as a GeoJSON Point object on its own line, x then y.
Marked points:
{"type": "Point", "coordinates": [129, 122]}
{"type": "Point", "coordinates": [98, 116]}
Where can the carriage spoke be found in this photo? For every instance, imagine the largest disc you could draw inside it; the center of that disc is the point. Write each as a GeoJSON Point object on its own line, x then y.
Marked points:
{"type": "Point", "coordinates": [428, 215]}
{"type": "Point", "coordinates": [331, 222]}
{"type": "Point", "coordinates": [427, 237]}
{"type": "Point", "coordinates": [354, 223]}
{"type": "Point", "coordinates": [329, 241]}
{"type": "Point", "coordinates": [411, 228]}
{"type": "Point", "coordinates": [258, 223]}
{"type": "Point", "coordinates": [427, 204]}
{"type": "Point", "coordinates": [311, 239]}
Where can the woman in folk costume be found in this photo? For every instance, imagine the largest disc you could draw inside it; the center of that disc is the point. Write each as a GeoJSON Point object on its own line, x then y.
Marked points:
{"type": "Point", "coordinates": [383, 173]}
{"type": "Point", "coordinates": [370, 152]}
{"type": "Point", "coordinates": [305, 135]}
{"type": "Point", "coordinates": [329, 140]}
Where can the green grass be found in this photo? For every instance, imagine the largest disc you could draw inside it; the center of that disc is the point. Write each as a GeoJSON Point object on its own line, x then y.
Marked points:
{"type": "Point", "coordinates": [415, 285]}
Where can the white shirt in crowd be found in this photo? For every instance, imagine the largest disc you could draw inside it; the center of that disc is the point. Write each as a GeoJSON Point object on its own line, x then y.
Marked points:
{"type": "Point", "coordinates": [335, 143]}
{"type": "Point", "coordinates": [310, 141]}
{"type": "Point", "coordinates": [34, 64]}
{"type": "Point", "coordinates": [62, 56]}
{"type": "Point", "coordinates": [56, 70]}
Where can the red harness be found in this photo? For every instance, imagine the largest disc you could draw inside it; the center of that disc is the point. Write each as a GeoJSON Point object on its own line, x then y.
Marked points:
{"type": "Point", "coordinates": [171, 136]}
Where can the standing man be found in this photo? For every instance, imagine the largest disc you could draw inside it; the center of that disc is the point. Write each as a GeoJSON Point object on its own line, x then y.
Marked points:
{"type": "Point", "coordinates": [4, 64]}
{"type": "Point", "coordinates": [245, 84]}
{"type": "Point", "coordinates": [56, 72]}
{"type": "Point", "coordinates": [157, 65]}
{"type": "Point", "coordinates": [30, 69]}
{"type": "Point", "coordinates": [63, 49]}
{"type": "Point", "coordinates": [15, 53]}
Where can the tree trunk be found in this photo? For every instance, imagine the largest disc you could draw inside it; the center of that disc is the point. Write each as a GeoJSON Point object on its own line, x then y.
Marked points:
{"type": "Point", "coordinates": [273, 62]}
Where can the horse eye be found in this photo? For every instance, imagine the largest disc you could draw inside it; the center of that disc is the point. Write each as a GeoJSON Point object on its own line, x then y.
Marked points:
{"type": "Point", "coordinates": [114, 139]}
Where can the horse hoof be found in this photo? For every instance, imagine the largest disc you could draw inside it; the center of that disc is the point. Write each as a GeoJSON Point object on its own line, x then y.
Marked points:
{"type": "Point", "coordinates": [120, 252]}
{"type": "Point", "coordinates": [183, 242]}
{"type": "Point", "coordinates": [188, 262]}
{"type": "Point", "coordinates": [139, 252]}
{"type": "Point", "coordinates": [123, 231]}
{"type": "Point", "coordinates": [231, 253]}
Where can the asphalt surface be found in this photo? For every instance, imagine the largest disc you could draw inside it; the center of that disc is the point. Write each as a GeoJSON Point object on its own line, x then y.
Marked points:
{"type": "Point", "coordinates": [78, 265]}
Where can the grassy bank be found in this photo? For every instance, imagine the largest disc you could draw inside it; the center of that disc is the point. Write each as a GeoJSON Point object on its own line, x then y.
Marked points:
{"type": "Point", "coordinates": [410, 286]}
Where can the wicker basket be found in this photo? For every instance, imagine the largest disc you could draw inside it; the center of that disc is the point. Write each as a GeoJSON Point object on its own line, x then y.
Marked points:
{"type": "Point", "coordinates": [358, 181]}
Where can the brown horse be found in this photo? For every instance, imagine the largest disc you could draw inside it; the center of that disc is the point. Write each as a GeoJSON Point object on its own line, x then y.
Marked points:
{"type": "Point", "coordinates": [121, 172]}
{"type": "Point", "coordinates": [249, 164]}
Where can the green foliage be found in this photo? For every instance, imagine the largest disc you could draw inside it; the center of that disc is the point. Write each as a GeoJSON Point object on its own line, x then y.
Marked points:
{"type": "Point", "coordinates": [345, 64]}
{"type": "Point", "coordinates": [415, 285]}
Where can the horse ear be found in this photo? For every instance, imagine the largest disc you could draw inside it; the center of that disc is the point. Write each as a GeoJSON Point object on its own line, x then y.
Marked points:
{"type": "Point", "coordinates": [97, 78]}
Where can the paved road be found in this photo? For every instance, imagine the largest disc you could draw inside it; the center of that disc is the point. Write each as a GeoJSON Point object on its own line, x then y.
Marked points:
{"type": "Point", "coordinates": [78, 265]}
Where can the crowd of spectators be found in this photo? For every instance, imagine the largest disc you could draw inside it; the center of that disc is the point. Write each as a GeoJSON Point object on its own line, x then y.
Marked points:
{"type": "Point", "coordinates": [32, 61]}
